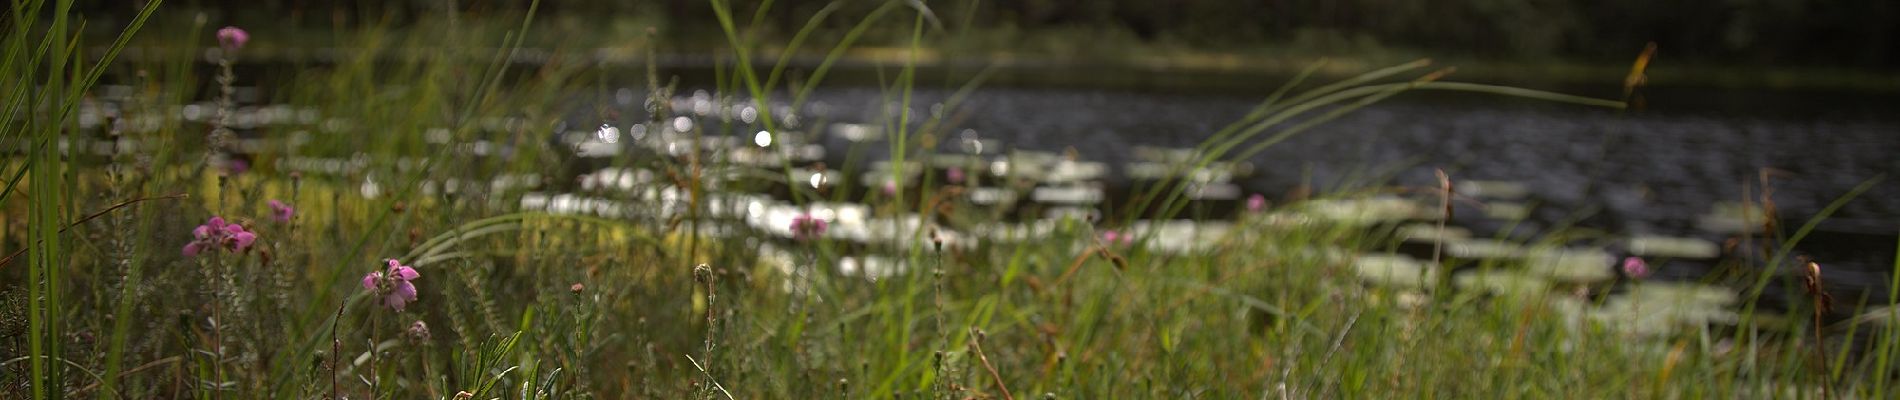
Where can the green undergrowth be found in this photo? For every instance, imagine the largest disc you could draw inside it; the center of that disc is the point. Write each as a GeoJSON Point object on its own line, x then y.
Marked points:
{"type": "Point", "coordinates": [520, 305]}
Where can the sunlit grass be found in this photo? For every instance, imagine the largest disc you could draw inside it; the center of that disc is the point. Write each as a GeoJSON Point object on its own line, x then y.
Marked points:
{"type": "Point", "coordinates": [528, 304]}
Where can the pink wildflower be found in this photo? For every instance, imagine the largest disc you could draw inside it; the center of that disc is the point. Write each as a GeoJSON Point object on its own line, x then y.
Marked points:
{"type": "Point", "coordinates": [236, 166]}
{"type": "Point", "coordinates": [1256, 202]}
{"type": "Point", "coordinates": [215, 234]}
{"type": "Point", "coordinates": [807, 227]}
{"type": "Point", "coordinates": [955, 175]}
{"type": "Point", "coordinates": [281, 212]}
{"type": "Point", "coordinates": [232, 38]}
{"type": "Point", "coordinates": [1635, 268]}
{"type": "Point", "coordinates": [1116, 237]}
{"type": "Point", "coordinates": [393, 284]}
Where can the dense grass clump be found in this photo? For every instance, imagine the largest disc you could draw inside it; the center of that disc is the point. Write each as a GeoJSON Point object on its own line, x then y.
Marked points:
{"type": "Point", "coordinates": [373, 242]}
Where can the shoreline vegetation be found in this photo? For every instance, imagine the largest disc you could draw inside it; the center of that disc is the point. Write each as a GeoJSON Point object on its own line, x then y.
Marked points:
{"type": "Point", "coordinates": [1114, 56]}
{"type": "Point", "coordinates": [419, 251]}
{"type": "Point", "coordinates": [1257, 70]}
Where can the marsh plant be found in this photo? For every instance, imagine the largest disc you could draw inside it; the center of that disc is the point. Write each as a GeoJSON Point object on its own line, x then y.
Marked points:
{"type": "Point", "coordinates": [381, 248]}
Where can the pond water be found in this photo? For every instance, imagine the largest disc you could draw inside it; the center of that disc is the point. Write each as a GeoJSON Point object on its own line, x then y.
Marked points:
{"type": "Point", "coordinates": [1651, 170]}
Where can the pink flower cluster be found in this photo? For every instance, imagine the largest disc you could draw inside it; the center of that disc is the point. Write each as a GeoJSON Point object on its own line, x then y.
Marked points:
{"type": "Point", "coordinates": [232, 38]}
{"type": "Point", "coordinates": [1635, 268]}
{"type": "Point", "coordinates": [807, 227]}
{"type": "Point", "coordinates": [393, 284]}
{"type": "Point", "coordinates": [281, 212]}
{"type": "Point", "coordinates": [217, 234]}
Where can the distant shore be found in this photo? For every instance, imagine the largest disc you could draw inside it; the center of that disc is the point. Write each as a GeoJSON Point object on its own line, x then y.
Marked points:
{"type": "Point", "coordinates": [1183, 69]}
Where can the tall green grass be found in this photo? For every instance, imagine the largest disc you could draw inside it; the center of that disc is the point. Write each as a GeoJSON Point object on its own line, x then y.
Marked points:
{"type": "Point", "coordinates": [522, 305]}
{"type": "Point", "coordinates": [46, 78]}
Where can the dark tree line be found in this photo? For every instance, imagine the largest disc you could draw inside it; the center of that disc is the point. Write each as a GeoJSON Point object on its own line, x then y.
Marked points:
{"type": "Point", "coordinates": [1857, 33]}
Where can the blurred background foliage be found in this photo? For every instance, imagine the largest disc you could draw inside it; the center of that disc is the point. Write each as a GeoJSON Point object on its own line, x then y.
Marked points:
{"type": "Point", "coordinates": [1858, 34]}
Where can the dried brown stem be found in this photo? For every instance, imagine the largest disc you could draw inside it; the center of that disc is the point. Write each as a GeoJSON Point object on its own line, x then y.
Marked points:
{"type": "Point", "coordinates": [1817, 293]}
{"type": "Point", "coordinates": [976, 344]}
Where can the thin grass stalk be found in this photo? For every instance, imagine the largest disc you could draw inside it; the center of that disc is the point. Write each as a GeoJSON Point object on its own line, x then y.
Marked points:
{"type": "Point", "coordinates": [1232, 132]}
{"type": "Point", "coordinates": [1372, 94]}
{"type": "Point", "coordinates": [1818, 297]}
{"type": "Point", "coordinates": [67, 121]}
{"type": "Point", "coordinates": [128, 294]}
{"type": "Point", "coordinates": [18, 66]}
{"type": "Point", "coordinates": [1890, 336]}
{"type": "Point", "coordinates": [742, 50]}
{"type": "Point", "coordinates": [798, 39]}
{"type": "Point", "coordinates": [1787, 248]}
{"type": "Point", "coordinates": [43, 305]}
{"type": "Point", "coordinates": [1270, 114]}
{"type": "Point", "coordinates": [1438, 244]}
{"type": "Point", "coordinates": [761, 97]}
{"type": "Point", "coordinates": [1366, 95]}
{"type": "Point", "coordinates": [1154, 190]}
{"type": "Point", "coordinates": [1840, 357]}
{"type": "Point", "coordinates": [838, 51]}
{"type": "Point", "coordinates": [1309, 100]}
{"type": "Point", "coordinates": [69, 103]}
{"type": "Point", "coordinates": [906, 80]}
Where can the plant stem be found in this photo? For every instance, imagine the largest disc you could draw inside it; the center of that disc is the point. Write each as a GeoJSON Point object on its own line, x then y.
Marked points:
{"type": "Point", "coordinates": [976, 343]}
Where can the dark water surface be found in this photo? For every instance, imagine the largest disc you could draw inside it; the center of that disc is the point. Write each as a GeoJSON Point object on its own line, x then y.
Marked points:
{"type": "Point", "coordinates": [1651, 170]}
{"type": "Point", "coordinates": [1642, 172]}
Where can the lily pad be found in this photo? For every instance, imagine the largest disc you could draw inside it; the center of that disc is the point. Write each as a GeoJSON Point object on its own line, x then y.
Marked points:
{"type": "Point", "coordinates": [1484, 249]}
{"type": "Point", "coordinates": [1513, 283]}
{"type": "Point", "coordinates": [1672, 247]}
{"type": "Point", "coordinates": [1431, 233]}
{"type": "Point", "coordinates": [1492, 189]}
{"type": "Point", "coordinates": [1570, 265]}
{"type": "Point", "coordinates": [1506, 211]}
{"type": "Point", "coordinates": [1394, 270]}
{"type": "Point", "coordinates": [1731, 218]}
{"type": "Point", "coordinates": [1367, 211]}
{"type": "Point", "coordinates": [1650, 318]}
{"type": "Point", "coordinates": [1684, 293]}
